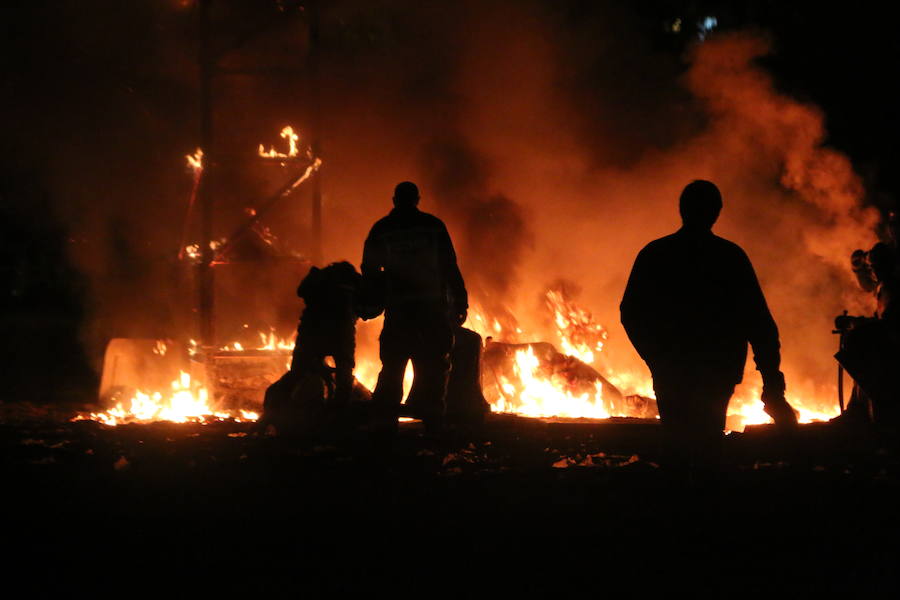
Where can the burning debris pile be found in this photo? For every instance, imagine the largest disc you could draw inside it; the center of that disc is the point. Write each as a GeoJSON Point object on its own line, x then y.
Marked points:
{"type": "Point", "coordinates": [525, 378]}
{"type": "Point", "coordinates": [536, 380]}
{"type": "Point", "coordinates": [186, 402]}
{"type": "Point", "coordinates": [132, 385]}
{"type": "Point", "coordinates": [522, 374]}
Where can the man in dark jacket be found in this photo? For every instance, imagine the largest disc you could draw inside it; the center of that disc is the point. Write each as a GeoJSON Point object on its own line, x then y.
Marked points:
{"type": "Point", "coordinates": [691, 305]}
{"type": "Point", "coordinates": [409, 261]}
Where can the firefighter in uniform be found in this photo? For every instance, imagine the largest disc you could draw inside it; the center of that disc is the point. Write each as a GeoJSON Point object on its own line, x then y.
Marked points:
{"type": "Point", "coordinates": [409, 262]}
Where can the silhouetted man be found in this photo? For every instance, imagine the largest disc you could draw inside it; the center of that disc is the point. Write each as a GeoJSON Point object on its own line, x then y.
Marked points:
{"type": "Point", "coordinates": [409, 260]}
{"type": "Point", "coordinates": [691, 305]}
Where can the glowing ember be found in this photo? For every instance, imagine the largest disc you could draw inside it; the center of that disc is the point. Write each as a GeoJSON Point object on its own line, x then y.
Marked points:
{"type": "Point", "coordinates": [195, 161]}
{"type": "Point", "coordinates": [192, 251]}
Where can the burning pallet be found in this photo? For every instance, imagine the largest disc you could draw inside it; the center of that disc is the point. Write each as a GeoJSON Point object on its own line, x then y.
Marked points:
{"type": "Point", "coordinates": [535, 379]}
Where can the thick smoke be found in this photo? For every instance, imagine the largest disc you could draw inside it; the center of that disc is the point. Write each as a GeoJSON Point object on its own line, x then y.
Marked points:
{"type": "Point", "coordinates": [554, 139]}
{"type": "Point", "coordinates": [585, 193]}
{"type": "Point", "coordinates": [489, 223]}
{"type": "Point", "coordinates": [742, 101]}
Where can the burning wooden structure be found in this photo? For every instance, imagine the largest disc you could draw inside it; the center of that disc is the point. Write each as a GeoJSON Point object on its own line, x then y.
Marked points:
{"type": "Point", "coordinates": [561, 376]}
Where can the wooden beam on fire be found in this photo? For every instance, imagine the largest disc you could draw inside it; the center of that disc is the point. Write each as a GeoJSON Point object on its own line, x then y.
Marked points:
{"type": "Point", "coordinates": [264, 208]}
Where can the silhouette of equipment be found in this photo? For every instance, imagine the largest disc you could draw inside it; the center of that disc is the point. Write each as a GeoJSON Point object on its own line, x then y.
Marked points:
{"type": "Point", "coordinates": [870, 354]}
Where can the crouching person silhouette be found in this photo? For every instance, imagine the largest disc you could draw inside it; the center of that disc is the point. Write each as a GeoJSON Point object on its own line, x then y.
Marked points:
{"type": "Point", "coordinates": [690, 308]}
{"type": "Point", "coordinates": [312, 396]}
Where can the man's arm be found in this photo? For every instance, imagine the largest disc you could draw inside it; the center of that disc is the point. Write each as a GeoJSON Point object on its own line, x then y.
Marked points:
{"type": "Point", "coordinates": [373, 255]}
{"type": "Point", "coordinates": [762, 333]}
{"type": "Point", "coordinates": [636, 310]}
{"type": "Point", "coordinates": [371, 297]}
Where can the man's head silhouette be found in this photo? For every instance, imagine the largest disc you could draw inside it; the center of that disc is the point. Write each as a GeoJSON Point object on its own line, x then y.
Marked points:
{"type": "Point", "coordinates": [406, 195]}
{"type": "Point", "coordinates": [700, 204]}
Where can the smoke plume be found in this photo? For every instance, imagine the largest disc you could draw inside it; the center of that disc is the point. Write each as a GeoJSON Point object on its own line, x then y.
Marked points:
{"type": "Point", "coordinates": [553, 138]}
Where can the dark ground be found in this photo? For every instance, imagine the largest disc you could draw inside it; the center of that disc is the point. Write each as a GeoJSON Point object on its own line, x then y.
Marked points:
{"type": "Point", "coordinates": [515, 508]}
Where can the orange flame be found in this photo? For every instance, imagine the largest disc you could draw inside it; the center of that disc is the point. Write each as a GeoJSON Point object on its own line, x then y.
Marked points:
{"type": "Point", "coordinates": [186, 402]}
{"type": "Point", "coordinates": [529, 390]}
{"type": "Point", "coordinates": [533, 394]}
{"type": "Point", "coordinates": [195, 161]}
{"type": "Point", "coordinates": [579, 335]}
{"type": "Point", "coordinates": [292, 138]}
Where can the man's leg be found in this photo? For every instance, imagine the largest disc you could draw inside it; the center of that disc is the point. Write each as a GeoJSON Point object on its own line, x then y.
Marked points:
{"type": "Point", "coordinates": [674, 416]}
{"type": "Point", "coordinates": [431, 373]}
{"type": "Point", "coordinates": [394, 355]}
{"type": "Point", "coordinates": [710, 401]}
{"type": "Point", "coordinates": [692, 412]}
{"type": "Point", "coordinates": [431, 365]}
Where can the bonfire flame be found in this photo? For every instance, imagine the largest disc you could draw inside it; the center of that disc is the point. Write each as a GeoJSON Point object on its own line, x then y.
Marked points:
{"type": "Point", "coordinates": [579, 335]}
{"type": "Point", "coordinates": [186, 402]}
{"type": "Point", "coordinates": [530, 388]}
{"type": "Point", "coordinates": [537, 394]}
